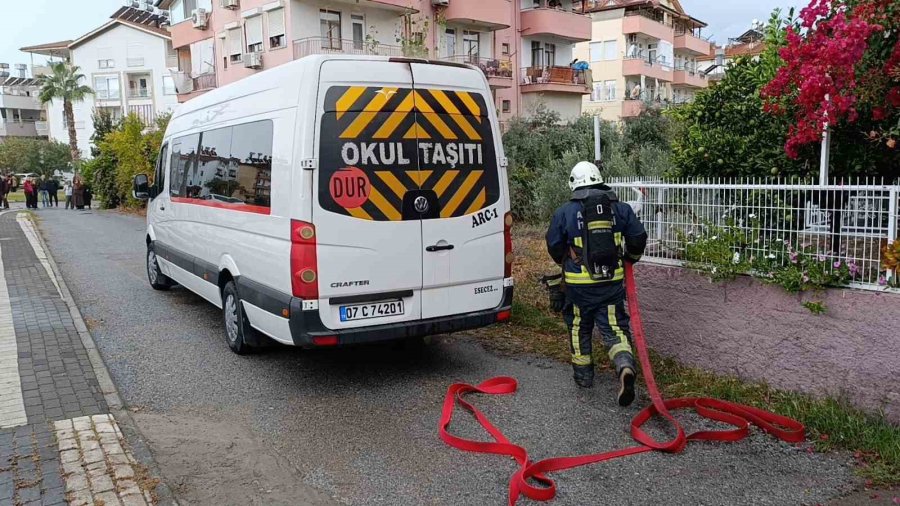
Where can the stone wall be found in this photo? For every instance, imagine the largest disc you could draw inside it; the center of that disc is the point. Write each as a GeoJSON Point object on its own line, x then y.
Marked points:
{"type": "Point", "coordinates": [760, 332]}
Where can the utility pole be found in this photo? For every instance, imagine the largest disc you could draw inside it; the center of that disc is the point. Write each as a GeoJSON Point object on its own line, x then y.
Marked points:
{"type": "Point", "coordinates": [598, 154]}
{"type": "Point", "coordinates": [824, 159]}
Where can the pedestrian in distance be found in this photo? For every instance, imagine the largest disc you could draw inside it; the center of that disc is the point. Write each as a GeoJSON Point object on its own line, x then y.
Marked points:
{"type": "Point", "coordinates": [590, 237]}
{"type": "Point", "coordinates": [53, 190]}
{"type": "Point", "coordinates": [67, 189]}
{"type": "Point", "coordinates": [43, 191]}
{"type": "Point", "coordinates": [78, 193]}
{"type": "Point", "coordinates": [8, 188]}
{"type": "Point", "coordinates": [88, 196]}
{"type": "Point", "coordinates": [3, 189]}
{"type": "Point", "coordinates": [30, 191]}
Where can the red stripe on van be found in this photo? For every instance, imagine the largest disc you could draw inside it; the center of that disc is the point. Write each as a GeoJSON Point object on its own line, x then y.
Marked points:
{"type": "Point", "coordinates": [245, 208]}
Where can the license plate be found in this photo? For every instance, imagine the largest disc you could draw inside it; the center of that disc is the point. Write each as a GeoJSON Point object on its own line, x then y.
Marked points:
{"type": "Point", "coordinates": [372, 310]}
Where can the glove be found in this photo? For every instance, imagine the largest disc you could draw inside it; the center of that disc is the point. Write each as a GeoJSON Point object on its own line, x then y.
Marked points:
{"type": "Point", "coordinates": [554, 286]}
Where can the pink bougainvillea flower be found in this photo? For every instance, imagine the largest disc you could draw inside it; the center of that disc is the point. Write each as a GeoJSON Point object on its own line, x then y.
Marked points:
{"type": "Point", "coordinates": [837, 264]}
{"type": "Point", "coordinates": [878, 114]}
{"type": "Point", "coordinates": [882, 280]}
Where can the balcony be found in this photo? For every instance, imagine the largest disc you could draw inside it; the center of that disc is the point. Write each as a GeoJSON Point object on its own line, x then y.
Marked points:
{"type": "Point", "coordinates": [640, 65]}
{"type": "Point", "coordinates": [490, 15]}
{"type": "Point", "coordinates": [566, 25]}
{"type": "Point", "coordinates": [20, 128]}
{"type": "Point", "coordinates": [638, 22]}
{"type": "Point", "coordinates": [184, 34]}
{"type": "Point", "coordinates": [324, 45]}
{"type": "Point", "coordinates": [689, 43]}
{"type": "Point", "coordinates": [632, 108]}
{"type": "Point", "coordinates": [684, 76]}
{"type": "Point", "coordinates": [399, 6]}
{"type": "Point", "coordinates": [556, 79]}
{"type": "Point", "coordinates": [499, 72]}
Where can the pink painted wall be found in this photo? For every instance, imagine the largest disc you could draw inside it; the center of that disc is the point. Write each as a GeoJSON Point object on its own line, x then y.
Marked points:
{"type": "Point", "coordinates": [759, 332]}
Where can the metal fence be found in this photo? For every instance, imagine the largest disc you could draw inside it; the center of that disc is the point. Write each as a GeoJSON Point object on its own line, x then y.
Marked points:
{"type": "Point", "coordinates": [842, 225]}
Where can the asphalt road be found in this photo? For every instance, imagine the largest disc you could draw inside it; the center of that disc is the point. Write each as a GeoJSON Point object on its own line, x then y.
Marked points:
{"type": "Point", "coordinates": [359, 426]}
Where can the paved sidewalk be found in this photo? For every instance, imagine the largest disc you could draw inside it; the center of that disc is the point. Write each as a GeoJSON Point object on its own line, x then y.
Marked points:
{"type": "Point", "coordinates": [58, 442]}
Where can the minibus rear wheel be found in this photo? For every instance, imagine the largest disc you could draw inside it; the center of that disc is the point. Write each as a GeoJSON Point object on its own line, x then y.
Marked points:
{"type": "Point", "coordinates": [158, 280]}
{"type": "Point", "coordinates": [237, 327]}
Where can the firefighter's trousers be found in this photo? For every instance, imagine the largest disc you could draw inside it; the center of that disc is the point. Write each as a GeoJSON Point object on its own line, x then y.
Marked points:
{"type": "Point", "coordinates": [605, 308]}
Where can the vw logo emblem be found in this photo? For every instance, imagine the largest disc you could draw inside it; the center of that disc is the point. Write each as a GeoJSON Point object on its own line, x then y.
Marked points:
{"type": "Point", "coordinates": [421, 204]}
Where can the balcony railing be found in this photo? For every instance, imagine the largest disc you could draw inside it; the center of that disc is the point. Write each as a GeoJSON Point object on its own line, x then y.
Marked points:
{"type": "Point", "coordinates": [556, 75]}
{"type": "Point", "coordinates": [204, 81]}
{"type": "Point", "coordinates": [690, 70]}
{"type": "Point", "coordinates": [139, 93]}
{"type": "Point", "coordinates": [492, 67]}
{"type": "Point", "coordinates": [651, 15]}
{"type": "Point", "coordinates": [325, 45]}
{"type": "Point", "coordinates": [644, 56]}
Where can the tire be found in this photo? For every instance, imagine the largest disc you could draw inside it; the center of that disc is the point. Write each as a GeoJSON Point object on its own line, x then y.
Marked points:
{"type": "Point", "coordinates": [158, 280]}
{"type": "Point", "coordinates": [237, 326]}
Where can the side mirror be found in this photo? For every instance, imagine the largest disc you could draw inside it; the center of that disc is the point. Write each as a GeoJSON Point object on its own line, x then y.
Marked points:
{"type": "Point", "coordinates": [141, 187]}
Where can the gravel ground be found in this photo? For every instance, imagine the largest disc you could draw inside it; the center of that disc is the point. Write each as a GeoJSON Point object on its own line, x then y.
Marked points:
{"type": "Point", "coordinates": [360, 425]}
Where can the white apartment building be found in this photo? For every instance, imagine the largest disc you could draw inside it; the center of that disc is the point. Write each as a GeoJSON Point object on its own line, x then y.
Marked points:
{"type": "Point", "coordinates": [126, 62]}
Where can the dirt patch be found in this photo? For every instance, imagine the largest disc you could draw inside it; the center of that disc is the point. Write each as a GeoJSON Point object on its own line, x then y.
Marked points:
{"type": "Point", "coordinates": [209, 462]}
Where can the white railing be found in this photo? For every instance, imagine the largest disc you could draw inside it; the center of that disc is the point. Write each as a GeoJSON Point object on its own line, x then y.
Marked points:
{"type": "Point", "coordinates": [843, 225]}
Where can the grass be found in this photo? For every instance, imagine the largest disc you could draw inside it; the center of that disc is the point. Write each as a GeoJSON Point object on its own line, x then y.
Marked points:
{"type": "Point", "coordinates": [19, 196]}
{"type": "Point", "coordinates": [832, 424]}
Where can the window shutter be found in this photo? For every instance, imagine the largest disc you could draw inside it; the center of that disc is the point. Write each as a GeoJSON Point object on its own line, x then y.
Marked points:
{"type": "Point", "coordinates": [135, 55]}
{"type": "Point", "coordinates": [276, 22]}
{"type": "Point", "coordinates": [254, 29]}
{"type": "Point", "coordinates": [610, 50]}
{"type": "Point", "coordinates": [235, 44]}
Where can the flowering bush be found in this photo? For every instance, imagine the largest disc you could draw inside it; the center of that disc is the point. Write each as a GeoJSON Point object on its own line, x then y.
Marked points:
{"type": "Point", "coordinates": [890, 260]}
{"type": "Point", "coordinates": [722, 253]}
{"type": "Point", "coordinates": [841, 67]}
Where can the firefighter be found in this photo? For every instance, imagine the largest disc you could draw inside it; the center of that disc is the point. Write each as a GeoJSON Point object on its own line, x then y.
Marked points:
{"type": "Point", "coordinates": [589, 237]}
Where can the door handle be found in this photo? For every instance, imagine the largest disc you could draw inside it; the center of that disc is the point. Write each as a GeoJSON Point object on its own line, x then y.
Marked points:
{"type": "Point", "coordinates": [435, 247]}
{"type": "Point", "coordinates": [162, 207]}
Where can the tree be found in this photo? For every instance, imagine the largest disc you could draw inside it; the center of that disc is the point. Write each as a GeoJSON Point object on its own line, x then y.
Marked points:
{"type": "Point", "coordinates": [63, 83]}
{"type": "Point", "coordinates": [842, 69]}
{"type": "Point", "coordinates": [126, 145]}
{"type": "Point", "coordinates": [24, 154]}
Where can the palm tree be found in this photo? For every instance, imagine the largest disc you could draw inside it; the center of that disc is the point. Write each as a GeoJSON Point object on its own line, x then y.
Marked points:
{"type": "Point", "coordinates": [64, 83]}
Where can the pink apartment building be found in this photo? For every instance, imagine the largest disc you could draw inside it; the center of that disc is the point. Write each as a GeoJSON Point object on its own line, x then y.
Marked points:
{"type": "Point", "coordinates": [524, 47]}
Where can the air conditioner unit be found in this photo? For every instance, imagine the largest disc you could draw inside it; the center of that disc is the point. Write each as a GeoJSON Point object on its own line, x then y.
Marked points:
{"type": "Point", "coordinates": [199, 18]}
{"type": "Point", "coordinates": [183, 82]}
{"type": "Point", "coordinates": [231, 4]}
{"type": "Point", "coordinates": [253, 60]}
{"type": "Point", "coordinates": [440, 3]}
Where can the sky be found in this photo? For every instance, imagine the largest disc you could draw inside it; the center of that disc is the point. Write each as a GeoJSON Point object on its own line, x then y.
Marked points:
{"type": "Point", "coordinates": [30, 22]}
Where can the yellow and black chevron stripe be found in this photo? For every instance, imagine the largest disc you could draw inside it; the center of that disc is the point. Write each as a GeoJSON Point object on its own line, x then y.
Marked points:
{"type": "Point", "coordinates": [404, 117]}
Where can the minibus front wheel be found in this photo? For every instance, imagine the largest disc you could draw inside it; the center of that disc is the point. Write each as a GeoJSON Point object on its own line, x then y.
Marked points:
{"type": "Point", "coordinates": [158, 280]}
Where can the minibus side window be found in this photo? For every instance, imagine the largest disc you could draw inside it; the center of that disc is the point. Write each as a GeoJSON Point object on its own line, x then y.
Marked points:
{"type": "Point", "coordinates": [251, 161]}
{"type": "Point", "coordinates": [213, 175]}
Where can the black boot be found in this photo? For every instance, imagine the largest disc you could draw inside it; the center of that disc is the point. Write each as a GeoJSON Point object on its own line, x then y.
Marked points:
{"type": "Point", "coordinates": [626, 386]}
{"type": "Point", "coordinates": [584, 375]}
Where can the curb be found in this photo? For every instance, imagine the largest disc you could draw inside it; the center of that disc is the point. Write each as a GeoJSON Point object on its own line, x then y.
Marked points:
{"type": "Point", "coordinates": [108, 388]}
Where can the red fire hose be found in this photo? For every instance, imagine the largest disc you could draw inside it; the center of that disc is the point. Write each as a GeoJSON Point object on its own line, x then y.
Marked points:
{"type": "Point", "coordinates": [531, 480]}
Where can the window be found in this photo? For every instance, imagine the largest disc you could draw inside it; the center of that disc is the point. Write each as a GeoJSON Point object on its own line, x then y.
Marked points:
{"type": "Point", "coordinates": [596, 51]}
{"type": "Point", "coordinates": [106, 64]}
{"type": "Point", "coordinates": [276, 28]}
{"type": "Point", "coordinates": [471, 45]}
{"type": "Point", "coordinates": [159, 176]}
{"type": "Point", "coordinates": [235, 45]}
{"type": "Point", "coordinates": [169, 86]}
{"type": "Point", "coordinates": [450, 39]}
{"type": "Point", "coordinates": [358, 25]}
{"type": "Point", "coordinates": [106, 87]}
{"type": "Point", "coordinates": [505, 106]}
{"type": "Point", "coordinates": [135, 55]}
{"type": "Point", "coordinates": [610, 50]}
{"type": "Point", "coordinates": [597, 92]}
{"type": "Point", "coordinates": [504, 48]}
{"type": "Point", "coordinates": [550, 55]}
{"type": "Point", "coordinates": [138, 86]}
{"type": "Point", "coordinates": [254, 29]}
{"type": "Point", "coordinates": [610, 90]}
{"type": "Point", "coordinates": [183, 161]}
{"type": "Point", "coordinates": [330, 29]}
{"type": "Point", "coordinates": [210, 178]}
{"type": "Point", "coordinates": [536, 54]}
{"type": "Point", "coordinates": [203, 57]}
{"type": "Point", "coordinates": [251, 151]}
{"type": "Point", "coordinates": [233, 165]}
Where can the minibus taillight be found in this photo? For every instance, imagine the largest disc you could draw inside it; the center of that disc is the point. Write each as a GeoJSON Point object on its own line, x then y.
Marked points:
{"type": "Point", "coordinates": [304, 268]}
{"type": "Point", "coordinates": [507, 245]}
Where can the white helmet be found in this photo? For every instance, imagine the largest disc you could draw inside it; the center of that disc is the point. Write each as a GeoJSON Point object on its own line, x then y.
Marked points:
{"type": "Point", "coordinates": [584, 174]}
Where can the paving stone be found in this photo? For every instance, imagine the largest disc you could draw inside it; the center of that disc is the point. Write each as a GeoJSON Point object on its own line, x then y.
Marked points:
{"type": "Point", "coordinates": [107, 498]}
{"type": "Point", "coordinates": [101, 483]}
